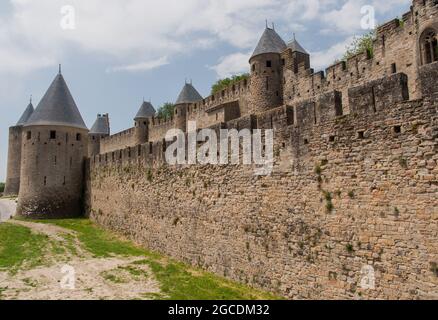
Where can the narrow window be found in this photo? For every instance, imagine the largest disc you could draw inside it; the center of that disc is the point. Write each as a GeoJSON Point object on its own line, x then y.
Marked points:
{"type": "Point", "coordinates": [54, 160]}
{"type": "Point", "coordinates": [397, 129]}
{"type": "Point", "coordinates": [267, 83]}
{"type": "Point", "coordinates": [45, 181]}
{"type": "Point", "coordinates": [78, 137]}
{"type": "Point", "coordinates": [332, 138]}
{"type": "Point", "coordinates": [268, 64]}
{"type": "Point", "coordinates": [393, 68]}
{"type": "Point", "coordinates": [71, 162]}
{"type": "Point", "coordinates": [150, 147]}
{"type": "Point", "coordinates": [52, 135]}
{"type": "Point", "coordinates": [29, 135]}
{"type": "Point", "coordinates": [361, 135]}
{"type": "Point", "coordinates": [253, 67]}
{"type": "Point", "coordinates": [63, 183]}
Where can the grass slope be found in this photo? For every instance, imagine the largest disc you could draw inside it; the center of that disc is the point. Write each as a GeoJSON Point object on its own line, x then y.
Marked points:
{"type": "Point", "coordinates": [177, 280]}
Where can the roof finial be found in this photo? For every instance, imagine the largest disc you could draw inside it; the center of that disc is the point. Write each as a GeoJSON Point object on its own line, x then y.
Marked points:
{"type": "Point", "coordinates": [266, 23]}
{"type": "Point", "coordinates": [59, 68]}
{"type": "Point", "coordinates": [273, 26]}
{"type": "Point", "coordinates": [294, 37]}
{"type": "Point", "coordinates": [191, 82]}
{"type": "Point", "coordinates": [30, 99]}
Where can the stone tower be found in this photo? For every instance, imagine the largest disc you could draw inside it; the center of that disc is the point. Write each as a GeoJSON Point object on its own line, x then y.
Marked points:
{"type": "Point", "coordinates": [187, 96]}
{"type": "Point", "coordinates": [266, 72]}
{"type": "Point", "coordinates": [54, 148]}
{"type": "Point", "coordinates": [14, 154]}
{"type": "Point", "coordinates": [297, 55]}
{"type": "Point", "coordinates": [99, 130]}
{"type": "Point", "coordinates": [142, 120]}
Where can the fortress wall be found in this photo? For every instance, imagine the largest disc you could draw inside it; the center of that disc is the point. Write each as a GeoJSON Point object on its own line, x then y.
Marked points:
{"type": "Point", "coordinates": [14, 162]}
{"type": "Point", "coordinates": [117, 141]}
{"type": "Point", "coordinates": [395, 49]}
{"type": "Point", "coordinates": [346, 192]}
{"type": "Point", "coordinates": [159, 127]}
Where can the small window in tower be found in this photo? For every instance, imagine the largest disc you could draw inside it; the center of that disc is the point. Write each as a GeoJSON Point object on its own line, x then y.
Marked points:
{"type": "Point", "coordinates": [78, 137]}
{"type": "Point", "coordinates": [29, 135]}
{"type": "Point", "coordinates": [55, 160]}
{"type": "Point", "coordinates": [63, 183]}
{"type": "Point", "coordinates": [45, 181]}
{"type": "Point", "coordinates": [253, 67]}
{"type": "Point", "coordinates": [397, 129]}
{"type": "Point", "coordinates": [393, 68]}
{"type": "Point", "coordinates": [52, 135]}
{"type": "Point", "coordinates": [268, 64]}
{"type": "Point", "coordinates": [283, 62]}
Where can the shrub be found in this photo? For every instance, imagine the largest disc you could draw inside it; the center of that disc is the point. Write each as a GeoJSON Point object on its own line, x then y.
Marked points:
{"type": "Point", "coordinates": [2, 187]}
{"type": "Point", "coordinates": [166, 111]}
{"type": "Point", "coordinates": [225, 83]}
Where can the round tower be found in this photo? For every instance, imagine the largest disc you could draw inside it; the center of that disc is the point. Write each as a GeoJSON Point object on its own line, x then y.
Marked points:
{"type": "Point", "coordinates": [54, 147]}
{"type": "Point", "coordinates": [188, 95]}
{"type": "Point", "coordinates": [141, 122]}
{"type": "Point", "coordinates": [99, 130]}
{"type": "Point", "coordinates": [266, 72]}
{"type": "Point", "coordinates": [14, 154]}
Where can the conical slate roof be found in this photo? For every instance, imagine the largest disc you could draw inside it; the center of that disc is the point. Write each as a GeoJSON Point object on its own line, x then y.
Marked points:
{"type": "Point", "coordinates": [296, 47]}
{"type": "Point", "coordinates": [270, 42]}
{"type": "Point", "coordinates": [57, 107]}
{"type": "Point", "coordinates": [146, 111]}
{"type": "Point", "coordinates": [26, 115]}
{"type": "Point", "coordinates": [101, 125]}
{"type": "Point", "coordinates": [188, 95]}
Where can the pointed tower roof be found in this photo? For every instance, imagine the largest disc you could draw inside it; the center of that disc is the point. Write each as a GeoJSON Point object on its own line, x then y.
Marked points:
{"type": "Point", "coordinates": [57, 107]}
{"type": "Point", "coordinates": [101, 125]}
{"type": "Point", "coordinates": [295, 46]}
{"type": "Point", "coordinates": [270, 42]}
{"type": "Point", "coordinates": [188, 95]}
{"type": "Point", "coordinates": [146, 110]}
{"type": "Point", "coordinates": [26, 114]}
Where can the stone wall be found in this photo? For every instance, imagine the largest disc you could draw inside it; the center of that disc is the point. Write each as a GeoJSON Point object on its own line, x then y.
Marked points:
{"type": "Point", "coordinates": [118, 141]}
{"type": "Point", "coordinates": [347, 191]}
{"type": "Point", "coordinates": [14, 162]}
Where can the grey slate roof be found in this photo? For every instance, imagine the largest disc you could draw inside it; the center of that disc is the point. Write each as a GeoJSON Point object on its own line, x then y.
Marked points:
{"type": "Point", "coordinates": [188, 95]}
{"type": "Point", "coordinates": [57, 107]}
{"type": "Point", "coordinates": [101, 125]}
{"type": "Point", "coordinates": [296, 47]}
{"type": "Point", "coordinates": [146, 111]}
{"type": "Point", "coordinates": [270, 42]}
{"type": "Point", "coordinates": [26, 115]}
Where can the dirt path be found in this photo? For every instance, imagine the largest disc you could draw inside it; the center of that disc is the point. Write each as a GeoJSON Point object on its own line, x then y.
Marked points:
{"type": "Point", "coordinates": [77, 276]}
{"type": "Point", "coordinates": [7, 209]}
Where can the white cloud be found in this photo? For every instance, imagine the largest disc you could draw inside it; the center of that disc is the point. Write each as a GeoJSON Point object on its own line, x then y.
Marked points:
{"type": "Point", "coordinates": [142, 66]}
{"type": "Point", "coordinates": [325, 58]}
{"type": "Point", "coordinates": [232, 64]}
{"type": "Point", "coordinates": [129, 31]}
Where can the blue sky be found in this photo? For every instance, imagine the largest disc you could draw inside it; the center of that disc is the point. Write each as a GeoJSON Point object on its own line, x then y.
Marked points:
{"type": "Point", "coordinates": [119, 51]}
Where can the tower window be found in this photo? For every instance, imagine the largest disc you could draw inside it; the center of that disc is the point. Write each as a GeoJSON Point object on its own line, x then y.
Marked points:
{"type": "Point", "coordinates": [78, 137]}
{"type": "Point", "coordinates": [393, 68]}
{"type": "Point", "coordinates": [52, 135]}
{"type": "Point", "coordinates": [429, 46]}
{"type": "Point", "coordinates": [253, 67]}
{"type": "Point", "coordinates": [29, 135]}
{"type": "Point", "coordinates": [45, 181]}
{"type": "Point", "coordinates": [268, 64]}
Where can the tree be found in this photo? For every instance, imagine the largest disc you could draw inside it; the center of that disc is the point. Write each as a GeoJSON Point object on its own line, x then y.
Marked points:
{"type": "Point", "coordinates": [361, 44]}
{"type": "Point", "coordinates": [225, 83]}
{"type": "Point", "coordinates": [2, 187]}
{"type": "Point", "coordinates": [166, 110]}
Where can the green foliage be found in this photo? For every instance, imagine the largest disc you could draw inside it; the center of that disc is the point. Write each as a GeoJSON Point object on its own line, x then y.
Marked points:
{"type": "Point", "coordinates": [225, 83]}
{"type": "Point", "coordinates": [360, 44]}
{"type": "Point", "coordinates": [166, 111]}
{"type": "Point", "coordinates": [349, 248]}
{"type": "Point", "coordinates": [2, 187]}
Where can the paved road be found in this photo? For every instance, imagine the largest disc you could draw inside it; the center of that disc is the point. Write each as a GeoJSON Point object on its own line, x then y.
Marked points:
{"type": "Point", "coordinates": [7, 209]}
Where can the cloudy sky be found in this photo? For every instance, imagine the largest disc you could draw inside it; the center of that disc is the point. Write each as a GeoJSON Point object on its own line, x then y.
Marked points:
{"type": "Point", "coordinates": [115, 52]}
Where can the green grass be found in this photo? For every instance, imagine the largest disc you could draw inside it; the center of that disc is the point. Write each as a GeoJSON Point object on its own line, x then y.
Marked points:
{"type": "Point", "coordinates": [177, 280]}
{"type": "Point", "coordinates": [96, 240]}
{"type": "Point", "coordinates": [180, 282]}
{"type": "Point", "coordinates": [18, 245]}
